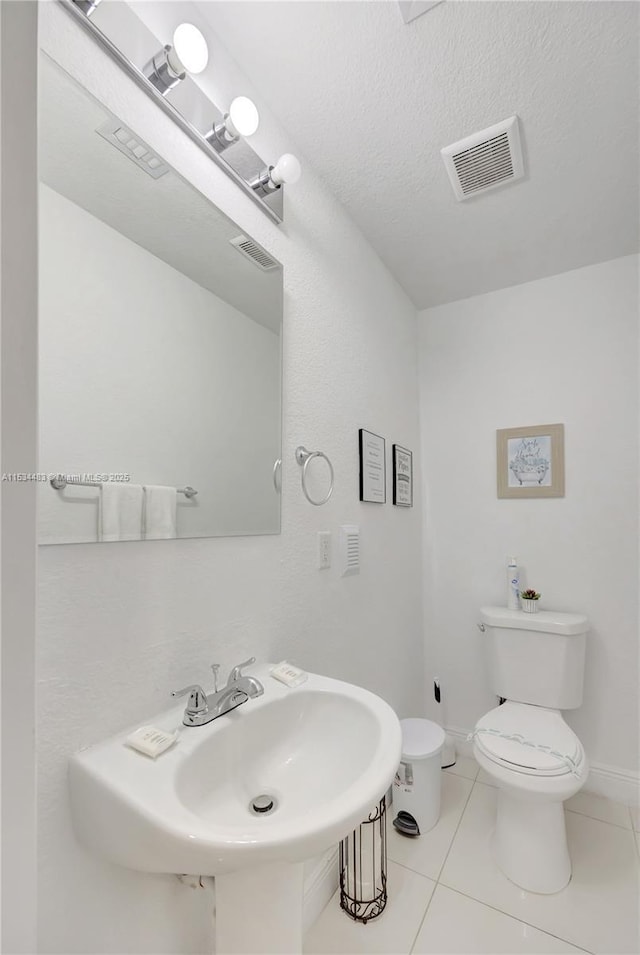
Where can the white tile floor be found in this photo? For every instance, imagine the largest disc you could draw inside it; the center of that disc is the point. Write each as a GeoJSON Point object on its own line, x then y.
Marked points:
{"type": "Point", "coordinates": [447, 896]}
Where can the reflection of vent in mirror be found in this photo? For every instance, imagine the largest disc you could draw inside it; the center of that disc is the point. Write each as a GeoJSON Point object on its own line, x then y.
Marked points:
{"type": "Point", "coordinates": [251, 250]}
{"type": "Point", "coordinates": [133, 147]}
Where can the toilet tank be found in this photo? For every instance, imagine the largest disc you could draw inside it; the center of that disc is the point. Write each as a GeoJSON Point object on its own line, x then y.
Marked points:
{"type": "Point", "coordinates": [536, 658]}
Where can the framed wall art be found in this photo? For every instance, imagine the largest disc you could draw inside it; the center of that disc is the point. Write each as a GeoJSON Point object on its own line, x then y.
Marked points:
{"type": "Point", "coordinates": [531, 461]}
{"type": "Point", "coordinates": [373, 474]}
{"type": "Point", "coordinates": [402, 476]}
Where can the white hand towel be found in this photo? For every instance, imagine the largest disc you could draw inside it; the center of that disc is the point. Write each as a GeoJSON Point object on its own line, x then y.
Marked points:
{"type": "Point", "coordinates": [160, 507]}
{"type": "Point", "coordinates": [120, 517]}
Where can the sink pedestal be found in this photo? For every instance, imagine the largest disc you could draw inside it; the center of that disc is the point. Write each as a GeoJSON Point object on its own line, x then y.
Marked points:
{"type": "Point", "coordinates": [259, 909]}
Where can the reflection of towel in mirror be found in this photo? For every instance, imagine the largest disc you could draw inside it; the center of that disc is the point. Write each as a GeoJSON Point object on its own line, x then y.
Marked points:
{"type": "Point", "coordinates": [120, 516]}
{"type": "Point", "coordinates": [160, 505]}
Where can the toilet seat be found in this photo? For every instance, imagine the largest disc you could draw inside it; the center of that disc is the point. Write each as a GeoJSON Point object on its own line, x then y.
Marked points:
{"type": "Point", "coordinates": [529, 739]}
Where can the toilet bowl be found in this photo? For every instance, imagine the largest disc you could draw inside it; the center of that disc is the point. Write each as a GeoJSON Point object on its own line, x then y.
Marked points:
{"type": "Point", "coordinates": [537, 762]}
{"type": "Point", "coordinates": [533, 757]}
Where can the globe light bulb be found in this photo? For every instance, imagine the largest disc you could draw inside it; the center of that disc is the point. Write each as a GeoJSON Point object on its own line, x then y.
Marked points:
{"type": "Point", "coordinates": [287, 169]}
{"type": "Point", "coordinates": [189, 52]}
{"type": "Point", "coordinates": [243, 118]}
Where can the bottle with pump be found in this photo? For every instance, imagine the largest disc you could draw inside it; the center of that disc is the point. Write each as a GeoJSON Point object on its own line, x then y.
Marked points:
{"type": "Point", "coordinates": [513, 584]}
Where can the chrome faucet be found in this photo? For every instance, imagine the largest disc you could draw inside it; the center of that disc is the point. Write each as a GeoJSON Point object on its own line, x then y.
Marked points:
{"type": "Point", "coordinates": [248, 684]}
{"type": "Point", "coordinates": [202, 709]}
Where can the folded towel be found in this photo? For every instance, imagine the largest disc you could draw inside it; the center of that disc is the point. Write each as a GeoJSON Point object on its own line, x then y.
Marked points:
{"type": "Point", "coordinates": [120, 517]}
{"type": "Point", "coordinates": [160, 506]}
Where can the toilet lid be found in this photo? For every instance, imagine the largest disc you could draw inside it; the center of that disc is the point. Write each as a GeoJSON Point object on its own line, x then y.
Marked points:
{"type": "Point", "coordinates": [529, 739]}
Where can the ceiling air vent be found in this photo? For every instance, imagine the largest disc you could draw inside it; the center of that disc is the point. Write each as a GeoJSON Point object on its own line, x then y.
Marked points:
{"type": "Point", "coordinates": [251, 250]}
{"type": "Point", "coordinates": [485, 160]}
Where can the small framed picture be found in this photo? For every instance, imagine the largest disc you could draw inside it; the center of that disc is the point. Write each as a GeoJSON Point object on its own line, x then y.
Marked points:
{"type": "Point", "coordinates": [531, 461]}
{"type": "Point", "coordinates": [402, 476]}
{"type": "Point", "coordinates": [373, 474]}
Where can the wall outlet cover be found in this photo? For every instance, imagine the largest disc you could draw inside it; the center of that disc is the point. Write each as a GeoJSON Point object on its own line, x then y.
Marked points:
{"type": "Point", "coordinates": [324, 550]}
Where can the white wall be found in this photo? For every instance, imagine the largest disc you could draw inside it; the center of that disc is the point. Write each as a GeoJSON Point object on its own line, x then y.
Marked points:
{"type": "Point", "coordinates": [120, 626]}
{"type": "Point", "coordinates": [563, 349]}
{"type": "Point", "coordinates": [18, 452]}
{"type": "Point", "coordinates": [144, 372]}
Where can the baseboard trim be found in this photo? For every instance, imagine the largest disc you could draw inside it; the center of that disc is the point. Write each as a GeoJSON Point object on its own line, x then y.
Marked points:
{"type": "Point", "coordinates": [613, 782]}
{"type": "Point", "coordinates": [319, 887]}
{"type": "Point", "coordinates": [464, 747]}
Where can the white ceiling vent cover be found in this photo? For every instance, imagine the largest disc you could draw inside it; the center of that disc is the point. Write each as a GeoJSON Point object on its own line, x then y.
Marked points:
{"type": "Point", "coordinates": [485, 160]}
{"type": "Point", "coordinates": [251, 250]}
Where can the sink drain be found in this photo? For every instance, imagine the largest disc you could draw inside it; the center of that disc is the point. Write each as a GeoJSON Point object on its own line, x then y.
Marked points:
{"type": "Point", "coordinates": [262, 805]}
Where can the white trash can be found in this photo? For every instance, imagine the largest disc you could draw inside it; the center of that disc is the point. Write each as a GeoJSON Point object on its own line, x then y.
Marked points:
{"type": "Point", "coordinates": [416, 788]}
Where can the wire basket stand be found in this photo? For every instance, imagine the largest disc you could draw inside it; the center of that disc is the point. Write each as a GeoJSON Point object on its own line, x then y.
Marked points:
{"type": "Point", "coordinates": [363, 867]}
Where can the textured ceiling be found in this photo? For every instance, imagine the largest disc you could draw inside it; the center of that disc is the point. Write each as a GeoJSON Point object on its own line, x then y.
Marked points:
{"type": "Point", "coordinates": [370, 102]}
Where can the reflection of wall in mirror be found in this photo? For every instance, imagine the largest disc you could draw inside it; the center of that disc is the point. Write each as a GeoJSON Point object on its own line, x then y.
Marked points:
{"type": "Point", "coordinates": [144, 371]}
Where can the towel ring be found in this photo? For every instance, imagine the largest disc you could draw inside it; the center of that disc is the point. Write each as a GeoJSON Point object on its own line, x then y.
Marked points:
{"type": "Point", "coordinates": [303, 457]}
{"type": "Point", "coordinates": [277, 475]}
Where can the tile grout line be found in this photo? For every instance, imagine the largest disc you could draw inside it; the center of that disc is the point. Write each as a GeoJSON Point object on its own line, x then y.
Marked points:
{"type": "Point", "coordinates": [607, 822]}
{"type": "Point", "coordinates": [578, 812]}
{"type": "Point", "coordinates": [493, 907]}
{"type": "Point", "coordinates": [501, 911]}
{"type": "Point", "coordinates": [424, 915]}
{"type": "Point", "coordinates": [416, 871]}
{"type": "Point", "coordinates": [404, 865]}
{"type": "Point", "coordinates": [437, 880]}
{"type": "Point", "coordinates": [464, 809]}
{"type": "Point", "coordinates": [516, 919]}
{"type": "Point", "coordinates": [581, 812]}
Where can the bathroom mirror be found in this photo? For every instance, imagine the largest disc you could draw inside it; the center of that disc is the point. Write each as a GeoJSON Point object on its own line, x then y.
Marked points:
{"type": "Point", "coordinates": [160, 342]}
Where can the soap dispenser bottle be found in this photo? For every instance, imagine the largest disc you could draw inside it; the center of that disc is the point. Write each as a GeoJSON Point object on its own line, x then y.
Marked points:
{"type": "Point", "coordinates": [513, 584]}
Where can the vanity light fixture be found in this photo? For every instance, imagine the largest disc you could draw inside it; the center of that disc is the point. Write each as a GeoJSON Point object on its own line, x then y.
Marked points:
{"type": "Point", "coordinates": [170, 65]}
{"type": "Point", "coordinates": [87, 6]}
{"type": "Point", "coordinates": [186, 54]}
{"type": "Point", "coordinates": [286, 170]}
{"type": "Point", "coordinates": [241, 120]}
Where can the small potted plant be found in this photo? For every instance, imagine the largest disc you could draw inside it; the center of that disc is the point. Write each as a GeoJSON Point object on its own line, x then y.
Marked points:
{"type": "Point", "coordinates": [530, 600]}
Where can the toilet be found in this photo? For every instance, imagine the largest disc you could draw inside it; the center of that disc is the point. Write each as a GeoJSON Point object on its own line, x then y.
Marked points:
{"type": "Point", "coordinates": [536, 664]}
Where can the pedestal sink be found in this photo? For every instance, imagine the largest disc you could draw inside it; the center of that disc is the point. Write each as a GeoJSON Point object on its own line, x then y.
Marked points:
{"type": "Point", "coordinates": [246, 798]}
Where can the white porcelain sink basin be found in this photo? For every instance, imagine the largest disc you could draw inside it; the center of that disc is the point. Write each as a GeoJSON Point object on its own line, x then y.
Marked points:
{"type": "Point", "coordinates": [324, 752]}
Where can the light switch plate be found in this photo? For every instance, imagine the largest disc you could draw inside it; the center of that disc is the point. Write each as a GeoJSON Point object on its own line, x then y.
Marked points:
{"type": "Point", "coordinates": [324, 550]}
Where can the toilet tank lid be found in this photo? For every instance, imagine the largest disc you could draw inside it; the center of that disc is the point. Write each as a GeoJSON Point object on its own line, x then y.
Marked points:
{"type": "Point", "coordinates": [546, 621]}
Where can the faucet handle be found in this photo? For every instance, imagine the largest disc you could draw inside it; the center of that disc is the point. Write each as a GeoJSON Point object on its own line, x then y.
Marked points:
{"type": "Point", "coordinates": [197, 702]}
{"type": "Point", "coordinates": [236, 672]}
